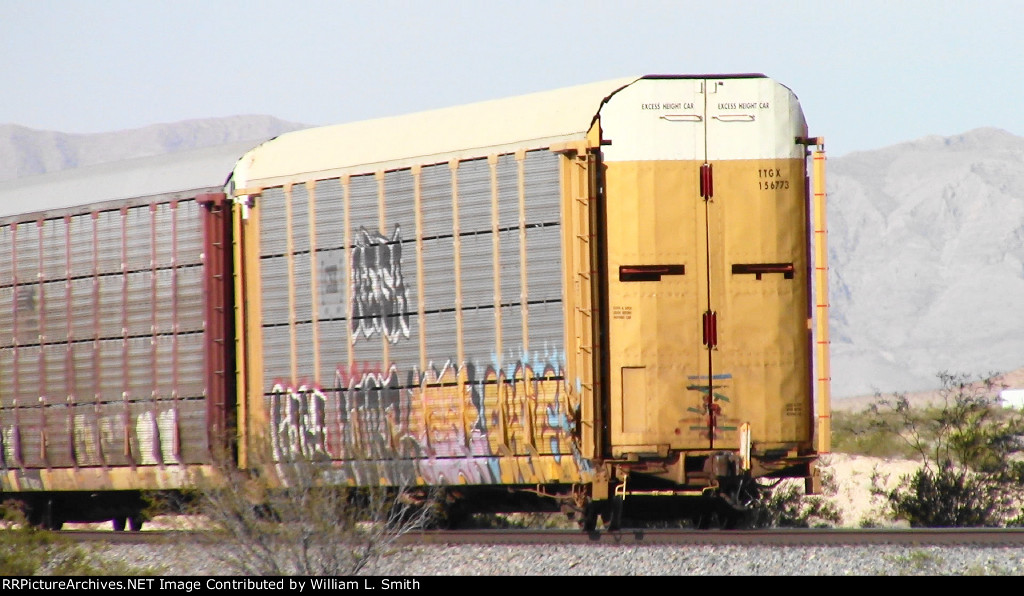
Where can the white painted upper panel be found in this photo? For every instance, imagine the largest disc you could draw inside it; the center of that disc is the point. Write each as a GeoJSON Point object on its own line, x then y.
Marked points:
{"type": "Point", "coordinates": [655, 119]}
{"type": "Point", "coordinates": [753, 119]}
{"type": "Point", "coordinates": [473, 130]}
{"type": "Point", "coordinates": [749, 117]}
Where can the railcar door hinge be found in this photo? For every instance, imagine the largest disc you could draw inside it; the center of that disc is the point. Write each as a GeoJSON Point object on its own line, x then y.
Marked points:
{"type": "Point", "coordinates": [710, 334]}
{"type": "Point", "coordinates": [707, 186]}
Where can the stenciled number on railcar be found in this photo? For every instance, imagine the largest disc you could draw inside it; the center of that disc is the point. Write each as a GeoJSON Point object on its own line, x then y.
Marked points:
{"type": "Point", "coordinates": [771, 179]}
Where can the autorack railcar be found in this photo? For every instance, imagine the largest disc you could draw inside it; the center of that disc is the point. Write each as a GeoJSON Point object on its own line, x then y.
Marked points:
{"type": "Point", "coordinates": [116, 350]}
{"type": "Point", "coordinates": [598, 297]}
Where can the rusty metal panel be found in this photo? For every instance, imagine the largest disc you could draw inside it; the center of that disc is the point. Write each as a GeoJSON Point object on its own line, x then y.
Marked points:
{"type": "Point", "coordinates": [6, 314]}
{"type": "Point", "coordinates": [30, 425]}
{"type": "Point", "coordinates": [138, 239]}
{"type": "Point", "coordinates": [53, 310]}
{"type": "Point", "coordinates": [192, 422]}
{"type": "Point", "coordinates": [107, 234]}
{"type": "Point", "coordinates": [55, 359]}
{"type": "Point", "coordinates": [53, 236]}
{"type": "Point", "coordinates": [114, 322]}
{"type": "Point", "coordinates": [86, 434]}
{"type": "Point", "coordinates": [187, 365]}
{"type": "Point", "coordinates": [180, 290]}
{"type": "Point", "coordinates": [24, 252]}
{"type": "Point", "coordinates": [6, 263]}
{"type": "Point", "coordinates": [57, 428]}
{"type": "Point", "coordinates": [80, 229]}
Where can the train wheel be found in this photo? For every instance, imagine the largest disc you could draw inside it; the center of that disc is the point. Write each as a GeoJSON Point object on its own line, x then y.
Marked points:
{"type": "Point", "coordinates": [588, 520]}
{"type": "Point", "coordinates": [612, 514]}
{"type": "Point", "coordinates": [44, 518]}
{"type": "Point", "coordinates": [135, 523]}
{"type": "Point", "coordinates": [119, 523]}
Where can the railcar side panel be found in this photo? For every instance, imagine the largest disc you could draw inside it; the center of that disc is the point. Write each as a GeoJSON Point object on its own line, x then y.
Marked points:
{"type": "Point", "coordinates": [418, 313]}
{"type": "Point", "coordinates": [105, 369]}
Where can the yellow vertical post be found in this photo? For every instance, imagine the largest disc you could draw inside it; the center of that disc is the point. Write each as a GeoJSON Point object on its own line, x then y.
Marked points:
{"type": "Point", "coordinates": [492, 161]}
{"type": "Point", "coordinates": [241, 387]}
{"type": "Point", "coordinates": [313, 281]}
{"type": "Point", "coordinates": [459, 343]}
{"type": "Point", "coordinates": [578, 279]}
{"type": "Point", "coordinates": [417, 185]}
{"type": "Point", "coordinates": [524, 306]}
{"type": "Point", "coordinates": [381, 215]}
{"type": "Point", "coordinates": [290, 259]}
{"type": "Point", "coordinates": [249, 330]}
{"type": "Point", "coordinates": [349, 336]}
{"type": "Point", "coordinates": [824, 378]}
{"type": "Point", "coordinates": [420, 303]}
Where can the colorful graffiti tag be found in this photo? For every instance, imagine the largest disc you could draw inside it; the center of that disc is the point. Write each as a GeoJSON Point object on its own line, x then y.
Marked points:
{"type": "Point", "coordinates": [457, 425]}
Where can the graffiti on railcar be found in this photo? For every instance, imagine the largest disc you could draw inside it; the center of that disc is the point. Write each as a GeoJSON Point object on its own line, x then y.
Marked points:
{"type": "Point", "coordinates": [298, 423]}
{"type": "Point", "coordinates": [710, 420]}
{"type": "Point", "coordinates": [379, 297]}
{"type": "Point", "coordinates": [465, 424]}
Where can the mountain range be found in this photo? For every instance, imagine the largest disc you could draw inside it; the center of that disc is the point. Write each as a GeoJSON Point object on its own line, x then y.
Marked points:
{"type": "Point", "coordinates": [27, 152]}
{"type": "Point", "coordinates": [926, 258]}
{"type": "Point", "coordinates": [926, 242]}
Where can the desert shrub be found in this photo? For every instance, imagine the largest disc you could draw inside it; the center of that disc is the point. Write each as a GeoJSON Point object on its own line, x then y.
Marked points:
{"type": "Point", "coordinates": [296, 518]}
{"type": "Point", "coordinates": [947, 497]}
{"type": "Point", "coordinates": [27, 551]}
{"type": "Point", "coordinates": [786, 505]}
{"type": "Point", "coordinates": [969, 446]}
{"type": "Point", "coordinates": [859, 433]}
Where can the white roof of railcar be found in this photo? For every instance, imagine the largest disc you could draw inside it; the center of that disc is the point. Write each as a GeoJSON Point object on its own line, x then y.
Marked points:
{"type": "Point", "coordinates": [472, 130]}
{"type": "Point", "coordinates": [92, 186]}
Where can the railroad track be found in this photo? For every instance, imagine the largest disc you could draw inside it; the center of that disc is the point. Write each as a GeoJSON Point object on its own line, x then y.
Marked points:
{"type": "Point", "coordinates": [790, 537]}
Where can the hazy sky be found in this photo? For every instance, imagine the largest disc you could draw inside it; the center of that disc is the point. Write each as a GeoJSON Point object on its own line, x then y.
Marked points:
{"type": "Point", "coordinates": [869, 73]}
